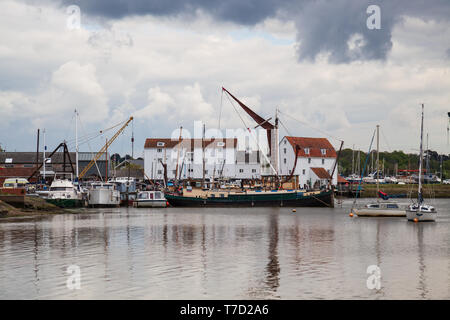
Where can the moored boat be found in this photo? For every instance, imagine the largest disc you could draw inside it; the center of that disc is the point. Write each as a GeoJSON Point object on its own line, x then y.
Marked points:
{"type": "Point", "coordinates": [102, 194]}
{"type": "Point", "coordinates": [251, 198]}
{"type": "Point", "coordinates": [419, 211]}
{"type": "Point", "coordinates": [150, 199]}
{"type": "Point", "coordinates": [63, 193]}
{"type": "Point", "coordinates": [381, 209]}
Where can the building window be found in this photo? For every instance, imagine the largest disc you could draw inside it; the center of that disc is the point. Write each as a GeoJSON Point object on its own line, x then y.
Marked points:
{"type": "Point", "coordinates": [253, 170]}
{"type": "Point", "coordinates": [174, 171]}
{"type": "Point", "coordinates": [191, 170]}
{"type": "Point", "coordinates": [285, 150]}
{"type": "Point", "coordinates": [159, 171]}
{"type": "Point", "coordinates": [289, 171]}
{"type": "Point", "coordinates": [159, 150]}
{"type": "Point", "coordinates": [285, 160]}
{"type": "Point", "coordinates": [304, 171]}
{"type": "Point", "coordinates": [285, 141]}
{"type": "Point", "coordinates": [306, 150]}
{"type": "Point", "coordinates": [206, 171]}
{"type": "Point", "coordinates": [324, 151]}
{"type": "Point", "coordinates": [323, 161]}
{"type": "Point", "coordinates": [241, 170]}
{"type": "Point", "coordinates": [309, 160]}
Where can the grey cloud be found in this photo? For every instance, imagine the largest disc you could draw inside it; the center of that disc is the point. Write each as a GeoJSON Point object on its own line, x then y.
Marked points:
{"type": "Point", "coordinates": [323, 26]}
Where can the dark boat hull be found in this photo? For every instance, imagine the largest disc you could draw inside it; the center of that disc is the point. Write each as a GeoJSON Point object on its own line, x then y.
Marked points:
{"type": "Point", "coordinates": [294, 199]}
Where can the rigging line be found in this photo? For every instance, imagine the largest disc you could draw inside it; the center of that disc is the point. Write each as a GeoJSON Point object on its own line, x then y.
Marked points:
{"type": "Point", "coordinates": [284, 127]}
{"type": "Point", "coordinates": [306, 124]}
{"type": "Point", "coordinates": [387, 143]}
{"type": "Point", "coordinates": [220, 110]}
{"type": "Point", "coordinates": [256, 140]}
{"type": "Point", "coordinates": [90, 149]}
{"type": "Point", "coordinates": [97, 133]}
{"type": "Point", "coordinates": [68, 129]}
{"type": "Point", "coordinates": [364, 170]}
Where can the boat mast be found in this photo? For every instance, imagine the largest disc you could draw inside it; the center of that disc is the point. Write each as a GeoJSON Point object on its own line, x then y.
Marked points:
{"type": "Point", "coordinates": [378, 160]}
{"type": "Point", "coordinates": [45, 147]}
{"type": "Point", "coordinates": [353, 160]}
{"type": "Point", "coordinates": [203, 157]}
{"type": "Point", "coordinates": [178, 154]}
{"type": "Point", "coordinates": [419, 195]}
{"type": "Point", "coordinates": [274, 152]}
{"type": "Point", "coordinates": [76, 143]}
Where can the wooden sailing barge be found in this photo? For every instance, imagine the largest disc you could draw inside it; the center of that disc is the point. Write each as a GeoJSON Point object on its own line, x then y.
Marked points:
{"type": "Point", "coordinates": [273, 196]}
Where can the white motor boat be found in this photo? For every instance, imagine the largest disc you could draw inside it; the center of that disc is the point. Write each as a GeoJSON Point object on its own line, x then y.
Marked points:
{"type": "Point", "coordinates": [65, 194]}
{"type": "Point", "coordinates": [150, 199]}
{"type": "Point", "coordinates": [103, 194]}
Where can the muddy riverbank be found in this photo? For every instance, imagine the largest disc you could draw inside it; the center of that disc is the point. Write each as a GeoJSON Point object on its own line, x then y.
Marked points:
{"type": "Point", "coordinates": [32, 206]}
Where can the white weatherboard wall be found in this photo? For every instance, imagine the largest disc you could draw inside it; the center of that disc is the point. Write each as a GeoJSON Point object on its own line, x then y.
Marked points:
{"type": "Point", "coordinates": [303, 168]}
{"type": "Point", "coordinates": [192, 166]}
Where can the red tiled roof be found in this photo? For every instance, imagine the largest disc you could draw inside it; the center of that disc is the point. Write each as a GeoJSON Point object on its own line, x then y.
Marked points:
{"type": "Point", "coordinates": [321, 173]}
{"type": "Point", "coordinates": [341, 179]}
{"type": "Point", "coordinates": [315, 145]}
{"type": "Point", "coordinates": [188, 143]}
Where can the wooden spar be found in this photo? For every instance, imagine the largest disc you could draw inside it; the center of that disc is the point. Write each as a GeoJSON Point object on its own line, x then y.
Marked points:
{"type": "Point", "coordinates": [296, 149]}
{"type": "Point", "coordinates": [37, 151]}
{"type": "Point", "coordinates": [178, 154]}
{"type": "Point", "coordinates": [336, 162]}
{"type": "Point", "coordinates": [259, 120]}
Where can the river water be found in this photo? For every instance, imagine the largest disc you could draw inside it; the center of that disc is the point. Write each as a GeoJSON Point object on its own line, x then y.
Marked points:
{"type": "Point", "coordinates": [254, 253]}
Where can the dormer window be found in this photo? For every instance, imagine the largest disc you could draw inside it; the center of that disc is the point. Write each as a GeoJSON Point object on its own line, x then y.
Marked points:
{"type": "Point", "coordinates": [160, 144]}
{"type": "Point", "coordinates": [323, 151]}
{"type": "Point", "coordinates": [221, 144]}
{"type": "Point", "coordinates": [306, 150]}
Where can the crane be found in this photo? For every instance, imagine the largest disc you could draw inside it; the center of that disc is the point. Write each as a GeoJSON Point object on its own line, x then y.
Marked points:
{"type": "Point", "coordinates": [105, 147]}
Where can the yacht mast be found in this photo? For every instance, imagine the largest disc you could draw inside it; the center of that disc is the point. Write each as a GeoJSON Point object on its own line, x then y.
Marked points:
{"type": "Point", "coordinates": [378, 160]}
{"type": "Point", "coordinates": [274, 152]}
{"type": "Point", "coordinates": [76, 143]}
{"type": "Point", "coordinates": [419, 195]}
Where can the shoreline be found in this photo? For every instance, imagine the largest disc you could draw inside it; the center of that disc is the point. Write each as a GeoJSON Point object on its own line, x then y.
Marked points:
{"type": "Point", "coordinates": [32, 207]}
{"type": "Point", "coordinates": [441, 191]}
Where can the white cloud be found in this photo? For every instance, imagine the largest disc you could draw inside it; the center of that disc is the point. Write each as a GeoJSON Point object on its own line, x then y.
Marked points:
{"type": "Point", "coordinates": [168, 72]}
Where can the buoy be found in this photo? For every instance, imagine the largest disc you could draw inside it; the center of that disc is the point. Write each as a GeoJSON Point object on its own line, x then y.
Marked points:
{"type": "Point", "coordinates": [351, 214]}
{"type": "Point", "coordinates": [167, 203]}
{"type": "Point", "coordinates": [294, 210]}
{"type": "Point", "coordinates": [416, 220]}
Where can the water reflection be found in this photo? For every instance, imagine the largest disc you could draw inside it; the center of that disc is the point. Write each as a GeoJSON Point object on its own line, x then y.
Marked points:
{"type": "Point", "coordinates": [273, 266]}
{"type": "Point", "coordinates": [222, 253]}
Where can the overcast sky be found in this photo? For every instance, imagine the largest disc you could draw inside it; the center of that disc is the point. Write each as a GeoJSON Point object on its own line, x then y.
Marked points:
{"type": "Point", "coordinates": [164, 62]}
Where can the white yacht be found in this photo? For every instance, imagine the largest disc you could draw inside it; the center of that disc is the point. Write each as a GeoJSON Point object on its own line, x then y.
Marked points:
{"type": "Point", "coordinates": [381, 209]}
{"type": "Point", "coordinates": [65, 194]}
{"type": "Point", "coordinates": [103, 194]}
{"type": "Point", "coordinates": [419, 211]}
{"type": "Point", "coordinates": [150, 199]}
{"type": "Point", "coordinates": [378, 208]}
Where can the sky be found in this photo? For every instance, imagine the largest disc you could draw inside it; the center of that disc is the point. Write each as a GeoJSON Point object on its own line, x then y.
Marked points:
{"type": "Point", "coordinates": [165, 62]}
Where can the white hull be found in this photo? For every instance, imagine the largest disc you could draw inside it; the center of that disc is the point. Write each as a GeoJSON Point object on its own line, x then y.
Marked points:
{"type": "Point", "coordinates": [379, 213]}
{"type": "Point", "coordinates": [420, 215]}
{"type": "Point", "coordinates": [150, 203]}
{"type": "Point", "coordinates": [104, 197]}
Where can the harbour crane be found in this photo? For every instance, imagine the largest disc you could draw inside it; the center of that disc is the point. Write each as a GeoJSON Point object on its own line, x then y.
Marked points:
{"type": "Point", "coordinates": [105, 147]}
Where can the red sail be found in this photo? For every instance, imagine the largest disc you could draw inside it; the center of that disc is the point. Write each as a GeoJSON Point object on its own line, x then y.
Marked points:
{"type": "Point", "coordinates": [259, 120]}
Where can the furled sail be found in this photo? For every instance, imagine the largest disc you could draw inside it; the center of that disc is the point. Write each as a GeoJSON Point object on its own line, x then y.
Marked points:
{"type": "Point", "coordinates": [259, 120]}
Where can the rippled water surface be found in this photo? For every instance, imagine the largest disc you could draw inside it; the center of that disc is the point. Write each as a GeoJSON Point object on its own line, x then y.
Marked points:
{"type": "Point", "coordinates": [254, 253]}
